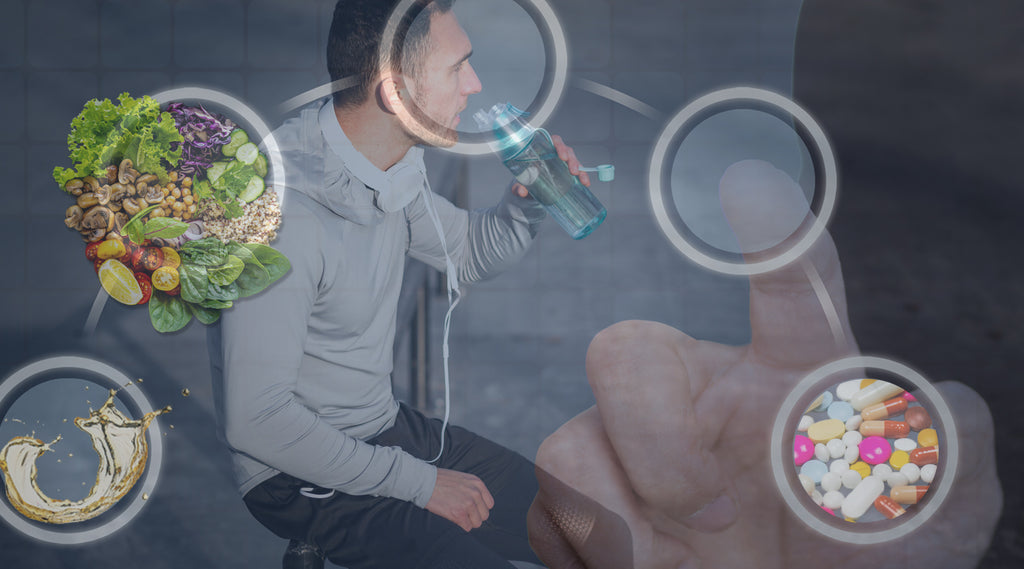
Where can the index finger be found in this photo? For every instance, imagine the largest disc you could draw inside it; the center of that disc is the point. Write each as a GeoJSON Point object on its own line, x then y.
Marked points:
{"type": "Point", "coordinates": [798, 312]}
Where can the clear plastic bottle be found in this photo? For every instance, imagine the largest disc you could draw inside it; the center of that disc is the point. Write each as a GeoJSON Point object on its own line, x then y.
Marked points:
{"type": "Point", "coordinates": [530, 155]}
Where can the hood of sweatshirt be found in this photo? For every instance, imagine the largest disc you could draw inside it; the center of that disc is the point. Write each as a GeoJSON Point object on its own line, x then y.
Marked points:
{"type": "Point", "coordinates": [320, 162]}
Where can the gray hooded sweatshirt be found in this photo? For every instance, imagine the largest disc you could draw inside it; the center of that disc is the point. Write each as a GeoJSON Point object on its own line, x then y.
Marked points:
{"type": "Point", "coordinates": [302, 371]}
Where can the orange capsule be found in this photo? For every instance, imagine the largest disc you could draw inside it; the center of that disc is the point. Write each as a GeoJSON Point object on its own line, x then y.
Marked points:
{"type": "Point", "coordinates": [888, 507]}
{"type": "Point", "coordinates": [890, 429]}
{"type": "Point", "coordinates": [885, 409]}
{"type": "Point", "coordinates": [926, 455]}
{"type": "Point", "coordinates": [908, 494]}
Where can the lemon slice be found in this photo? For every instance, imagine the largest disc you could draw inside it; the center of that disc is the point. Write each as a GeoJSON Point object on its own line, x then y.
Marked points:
{"type": "Point", "coordinates": [119, 282]}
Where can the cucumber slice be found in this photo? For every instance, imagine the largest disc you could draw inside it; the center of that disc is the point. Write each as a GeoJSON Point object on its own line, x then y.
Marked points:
{"type": "Point", "coordinates": [260, 165]}
{"type": "Point", "coordinates": [238, 138]}
{"type": "Point", "coordinates": [253, 189]}
{"type": "Point", "coordinates": [216, 170]}
{"type": "Point", "coordinates": [247, 153]}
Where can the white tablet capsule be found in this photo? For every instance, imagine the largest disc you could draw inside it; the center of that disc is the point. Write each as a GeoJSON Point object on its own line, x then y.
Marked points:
{"type": "Point", "coordinates": [816, 497]}
{"type": "Point", "coordinates": [852, 438]}
{"type": "Point", "coordinates": [831, 482]}
{"type": "Point", "coordinates": [847, 389]}
{"type": "Point", "coordinates": [839, 466]}
{"type": "Point", "coordinates": [833, 500]}
{"type": "Point", "coordinates": [852, 454]}
{"type": "Point", "coordinates": [905, 445]}
{"type": "Point", "coordinates": [911, 471]}
{"type": "Point", "coordinates": [836, 448]}
{"type": "Point", "coordinates": [807, 483]}
{"type": "Point", "coordinates": [875, 393]}
{"type": "Point", "coordinates": [821, 452]}
{"type": "Point", "coordinates": [897, 479]}
{"type": "Point", "coordinates": [863, 496]}
{"type": "Point", "coordinates": [850, 479]}
{"type": "Point", "coordinates": [882, 471]}
{"type": "Point", "coordinates": [928, 473]}
{"type": "Point", "coordinates": [805, 422]}
{"type": "Point", "coordinates": [853, 423]}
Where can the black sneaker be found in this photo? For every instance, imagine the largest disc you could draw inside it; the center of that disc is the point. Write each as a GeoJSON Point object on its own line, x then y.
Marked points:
{"type": "Point", "coordinates": [301, 555]}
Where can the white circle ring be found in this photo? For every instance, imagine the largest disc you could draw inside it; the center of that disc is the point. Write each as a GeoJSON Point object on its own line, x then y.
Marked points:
{"type": "Point", "coordinates": [245, 112]}
{"type": "Point", "coordinates": [730, 95]}
{"type": "Point", "coordinates": [31, 372]}
{"type": "Point", "coordinates": [559, 78]}
{"type": "Point", "coordinates": [799, 505]}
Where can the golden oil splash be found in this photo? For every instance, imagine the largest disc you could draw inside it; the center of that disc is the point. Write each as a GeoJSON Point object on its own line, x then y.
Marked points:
{"type": "Point", "coordinates": [121, 445]}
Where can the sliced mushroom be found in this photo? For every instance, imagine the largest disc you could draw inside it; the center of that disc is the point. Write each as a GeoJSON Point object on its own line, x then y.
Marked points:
{"type": "Point", "coordinates": [130, 206]}
{"type": "Point", "coordinates": [111, 174]}
{"type": "Point", "coordinates": [145, 179]}
{"type": "Point", "coordinates": [73, 217]}
{"type": "Point", "coordinates": [131, 174]}
{"type": "Point", "coordinates": [98, 217]}
{"type": "Point", "coordinates": [87, 200]}
{"type": "Point", "coordinates": [103, 195]}
{"type": "Point", "coordinates": [122, 170]}
{"type": "Point", "coordinates": [94, 234]}
{"type": "Point", "coordinates": [93, 183]}
{"type": "Point", "coordinates": [153, 194]}
{"type": "Point", "coordinates": [74, 187]}
{"type": "Point", "coordinates": [120, 219]}
{"type": "Point", "coordinates": [114, 206]}
{"type": "Point", "coordinates": [118, 191]}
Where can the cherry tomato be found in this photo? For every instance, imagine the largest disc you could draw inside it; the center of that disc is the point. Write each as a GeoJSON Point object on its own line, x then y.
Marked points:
{"type": "Point", "coordinates": [174, 291]}
{"type": "Point", "coordinates": [90, 250]}
{"type": "Point", "coordinates": [96, 265]}
{"type": "Point", "coordinates": [165, 278]}
{"type": "Point", "coordinates": [147, 259]}
{"type": "Point", "coordinates": [146, 285]}
{"type": "Point", "coordinates": [129, 247]}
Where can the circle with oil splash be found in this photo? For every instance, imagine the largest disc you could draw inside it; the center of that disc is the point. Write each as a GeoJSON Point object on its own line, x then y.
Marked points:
{"type": "Point", "coordinates": [106, 377]}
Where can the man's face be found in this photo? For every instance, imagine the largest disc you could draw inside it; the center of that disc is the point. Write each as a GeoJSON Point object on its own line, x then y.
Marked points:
{"type": "Point", "coordinates": [444, 82]}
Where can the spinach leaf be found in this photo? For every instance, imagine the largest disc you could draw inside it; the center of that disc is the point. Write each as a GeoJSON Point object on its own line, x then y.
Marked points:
{"type": "Point", "coordinates": [273, 261]}
{"type": "Point", "coordinates": [253, 279]}
{"type": "Point", "coordinates": [222, 292]}
{"type": "Point", "coordinates": [204, 314]}
{"type": "Point", "coordinates": [207, 252]}
{"type": "Point", "coordinates": [168, 313]}
{"type": "Point", "coordinates": [193, 282]}
{"type": "Point", "coordinates": [164, 228]}
{"type": "Point", "coordinates": [227, 273]}
{"type": "Point", "coordinates": [214, 303]}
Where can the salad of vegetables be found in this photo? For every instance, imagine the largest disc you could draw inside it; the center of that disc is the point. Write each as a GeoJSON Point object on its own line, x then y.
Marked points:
{"type": "Point", "coordinates": [172, 205]}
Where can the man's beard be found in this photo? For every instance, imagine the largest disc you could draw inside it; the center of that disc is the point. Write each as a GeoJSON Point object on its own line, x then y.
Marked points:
{"type": "Point", "coordinates": [425, 130]}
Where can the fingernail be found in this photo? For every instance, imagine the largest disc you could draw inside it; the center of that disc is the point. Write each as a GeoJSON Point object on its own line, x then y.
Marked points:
{"type": "Point", "coordinates": [716, 516]}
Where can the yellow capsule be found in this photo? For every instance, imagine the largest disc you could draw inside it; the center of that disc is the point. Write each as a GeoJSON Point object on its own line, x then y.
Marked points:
{"type": "Point", "coordinates": [824, 431]}
{"type": "Point", "coordinates": [866, 382]}
{"type": "Point", "coordinates": [898, 459]}
{"type": "Point", "coordinates": [861, 467]}
{"type": "Point", "coordinates": [927, 438]}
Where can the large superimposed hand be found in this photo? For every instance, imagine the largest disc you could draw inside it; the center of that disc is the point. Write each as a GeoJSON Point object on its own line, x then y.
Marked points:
{"type": "Point", "coordinates": [676, 449]}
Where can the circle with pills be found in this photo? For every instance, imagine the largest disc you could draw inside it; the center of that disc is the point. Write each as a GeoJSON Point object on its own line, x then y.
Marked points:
{"type": "Point", "coordinates": [864, 450]}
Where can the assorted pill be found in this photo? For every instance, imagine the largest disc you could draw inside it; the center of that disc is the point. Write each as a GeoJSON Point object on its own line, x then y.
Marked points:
{"type": "Point", "coordinates": [866, 451]}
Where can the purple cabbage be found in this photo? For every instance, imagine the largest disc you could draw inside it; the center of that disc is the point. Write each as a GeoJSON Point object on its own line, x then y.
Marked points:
{"type": "Point", "coordinates": [204, 134]}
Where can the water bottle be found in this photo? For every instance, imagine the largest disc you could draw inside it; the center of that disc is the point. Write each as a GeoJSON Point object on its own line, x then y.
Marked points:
{"type": "Point", "coordinates": [530, 155]}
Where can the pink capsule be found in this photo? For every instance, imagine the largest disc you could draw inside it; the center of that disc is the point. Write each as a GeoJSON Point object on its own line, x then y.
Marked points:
{"type": "Point", "coordinates": [909, 397]}
{"type": "Point", "coordinates": [803, 449]}
{"type": "Point", "coordinates": [874, 450]}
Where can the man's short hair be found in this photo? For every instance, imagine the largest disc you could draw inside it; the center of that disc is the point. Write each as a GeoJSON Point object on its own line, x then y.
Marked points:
{"type": "Point", "coordinates": [353, 45]}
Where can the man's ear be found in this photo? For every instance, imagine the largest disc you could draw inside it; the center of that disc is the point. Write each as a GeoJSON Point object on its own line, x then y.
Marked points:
{"type": "Point", "coordinates": [391, 92]}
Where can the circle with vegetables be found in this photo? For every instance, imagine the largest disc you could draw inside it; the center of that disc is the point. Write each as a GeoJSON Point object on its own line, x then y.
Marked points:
{"type": "Point", "coordinates": [172, 206]}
